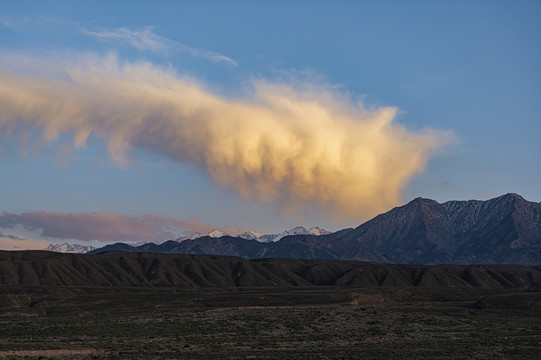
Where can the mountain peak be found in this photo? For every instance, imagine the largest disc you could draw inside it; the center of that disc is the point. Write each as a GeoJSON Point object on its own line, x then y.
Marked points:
{"type": "Point", "coordinates": [421, 200]}
{"type": "Point", "coordinates": [415, 206]}
{"type": "Point", "coordinates": [214, 233]}
{"type": "Point", "coordinates": [69, 248]}
{"type": "Point", "coordinates": [297, 230]}
{"type": "Point", "coordinates": [513, 196]}
{"type": "Point", "coordinates": [316, 230]}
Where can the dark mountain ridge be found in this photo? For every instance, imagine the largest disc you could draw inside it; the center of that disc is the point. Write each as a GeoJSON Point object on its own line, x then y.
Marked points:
{"type": "Point", "coordinates": [128, 269]}
{"type": "Point", "coordinates": [503, 230]}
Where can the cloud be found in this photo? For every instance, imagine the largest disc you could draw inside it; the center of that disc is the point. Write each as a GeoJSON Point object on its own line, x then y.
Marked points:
{"type": "Point", "coordinates": [10, 22]}
{"type": "Point", "coordinates": [296, 146]}
{"type": "Point", "coordinates": [7, 243]}
{"type": "Point", "coordinates": [142, 39]}
{"type": "Point", "coordinates": [107, 227]}
{"type": "Point", "coordinates": [16, 242]}
{"type": "Point", "coordinates": [145, 39]}
{"type": "Point", "coordinates": [44, 20]}
{"type": "Point", "coordinates": [11, 236]}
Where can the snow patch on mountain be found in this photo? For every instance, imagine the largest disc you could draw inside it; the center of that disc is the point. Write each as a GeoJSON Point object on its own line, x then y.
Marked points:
{"type": "Point", "coordinates": [69, 248]}
{"type": "Point", "coordinates": [250, 235]}
{"type": "Point", "coordinates": [213, 233]}
{"type": "Point", "coordinates": [299, 230]}
{"type": "Point", "coordinates": [140, 243]}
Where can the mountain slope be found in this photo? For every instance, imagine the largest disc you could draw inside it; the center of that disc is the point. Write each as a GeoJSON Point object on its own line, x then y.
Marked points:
{"type": "Point", "coordinates": [419, 231]}
{"type": "Point", "coordinates": [506, 229]}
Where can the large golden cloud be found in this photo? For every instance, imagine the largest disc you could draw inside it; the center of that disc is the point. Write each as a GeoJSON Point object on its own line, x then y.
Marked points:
{"type": "Point", "coordinates": [294, 147]}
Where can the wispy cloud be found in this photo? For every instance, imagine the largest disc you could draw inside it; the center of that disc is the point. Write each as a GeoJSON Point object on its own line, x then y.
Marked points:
{"type": "Point", "coordinates": [145, 39]}
{"type": "Point", "coordinates": [16, 242]}
{"type": "Point", "coordinates": [297, 147]}
{"type": "Point", "coordinates": [11, 236]}
{"type": "Point", "coordinates": [142, 39]}
{"type": "Point", "coordinates": [7, 243]}
{"type": "Point", "coordinates": [12, 23]}
{"type": "Point", "coordinates": [101, 226]}
{"type": "Point", "coordinates": [17, 23]}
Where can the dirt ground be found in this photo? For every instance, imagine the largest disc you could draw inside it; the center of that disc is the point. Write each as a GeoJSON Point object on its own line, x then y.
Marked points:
{"type": "Point", "coordinates": [269, 323]}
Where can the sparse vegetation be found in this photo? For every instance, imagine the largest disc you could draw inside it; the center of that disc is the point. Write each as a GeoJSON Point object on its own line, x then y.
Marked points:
{"type": "Point", "coordinates": [125, 306]}
{"type": "Point", "coordinates": [286, 322]}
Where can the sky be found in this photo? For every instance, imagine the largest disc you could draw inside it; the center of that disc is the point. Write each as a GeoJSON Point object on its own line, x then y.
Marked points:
{"type": "Point", "coordinates": [145, 121]}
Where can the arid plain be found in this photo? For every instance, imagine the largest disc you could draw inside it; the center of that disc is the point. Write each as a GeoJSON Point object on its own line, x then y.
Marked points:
{"type": "Point", "coordinates": [385, 320]}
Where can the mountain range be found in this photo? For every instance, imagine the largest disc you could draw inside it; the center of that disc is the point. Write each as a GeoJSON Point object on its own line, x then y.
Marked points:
{"type": "Point", "coordinates": [261, 237]}
{"type": "Point", "coordinates": [503, 230]}
{"type": "Point", "coordinates": [68, 248]}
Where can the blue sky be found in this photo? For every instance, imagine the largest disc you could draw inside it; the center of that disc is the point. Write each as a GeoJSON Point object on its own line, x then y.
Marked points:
{"type": "Point", "coordinates": [462, 77]}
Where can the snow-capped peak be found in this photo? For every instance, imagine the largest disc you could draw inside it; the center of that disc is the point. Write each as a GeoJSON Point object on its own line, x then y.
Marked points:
{"type": "Point", "coordinates": [69, 248]}
{"type": "Point", "coordinates": [213, 233]}
{"type": "Point", "coordinates": [248, 235]}
{"type": "Point", "coordinates": [157, 242]}
{"type": "Point", "coordinates": [251, 235]}
{"type": "Point", "coordinates": [254, 235]}
{"type": "Point", "coordinates": [298, 230]}
{"type": "Point", "coordinates": [318, 231]}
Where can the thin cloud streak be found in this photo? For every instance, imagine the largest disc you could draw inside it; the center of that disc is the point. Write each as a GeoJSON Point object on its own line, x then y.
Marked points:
{"type": "Point", "coordinates": [295, 147]}
{"type": "Point", "coordinates": [145, 39]}
{"type": "Point", "coordinates": [11, 236]}
{"type": "Point", "coordinates": [17, 242]}
{"type": "Point", "coordinates": [101, 226]}
{"type": "Point", "coordinates": [8, 243]}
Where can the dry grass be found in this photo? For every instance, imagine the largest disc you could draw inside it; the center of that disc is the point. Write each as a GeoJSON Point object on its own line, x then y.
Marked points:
{"type": "Point", "coordinates": [293, 323]}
